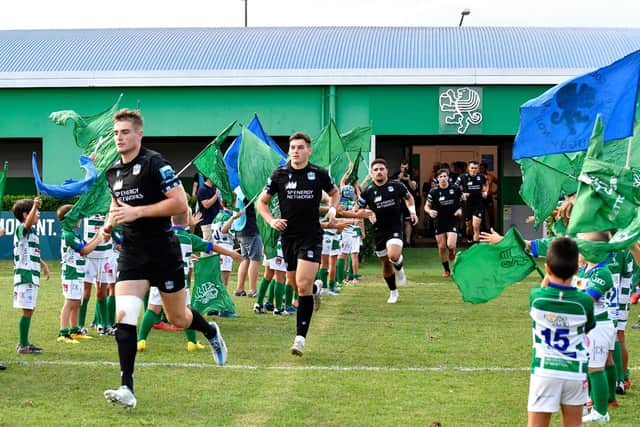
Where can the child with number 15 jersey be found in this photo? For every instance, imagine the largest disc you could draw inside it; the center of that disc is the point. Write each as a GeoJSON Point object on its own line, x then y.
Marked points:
{"type": "Point", "coordinates": [561, 315]}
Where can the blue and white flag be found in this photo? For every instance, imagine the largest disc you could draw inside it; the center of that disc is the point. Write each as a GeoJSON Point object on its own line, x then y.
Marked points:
{"type": "Point", "coordinates": [231, 155]}
{"type": "Point", "coordinates": [71, 187]}
{"type": "Point", "coordinates": [561, 119]}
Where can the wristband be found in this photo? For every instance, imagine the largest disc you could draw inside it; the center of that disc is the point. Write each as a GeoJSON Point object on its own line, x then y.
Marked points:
{"type": "Point", "coordinates": [332, 211]}
{"type": "Point", "coordinates": [412, 209]}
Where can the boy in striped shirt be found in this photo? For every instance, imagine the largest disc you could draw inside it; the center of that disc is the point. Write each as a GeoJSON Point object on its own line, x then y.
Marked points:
{"type": "Point", "coordinates": [27, 267]}
{"type": "Point", "coordinates": [561, 316]}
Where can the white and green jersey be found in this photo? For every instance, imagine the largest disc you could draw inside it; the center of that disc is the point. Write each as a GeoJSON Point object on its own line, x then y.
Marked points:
{"type": "Point", "coordinates": [92, 226]}
{"type": "Point", "coordinates": [72, 264]}
{"type": "Point", "coordinates": [562, 316]}
{"type": "Point", "coordinates": [26, 256]}
{"type": "Point", "coordinates": [353, 230]}
{"type": "Point", "coordinates": [218, 222]}
{"type": "Point", "coordinates": [620, 264]}
{"type": "Point", "coordinates": [598, 283]}
{"type": "Point", "coordinates": [188, 244]}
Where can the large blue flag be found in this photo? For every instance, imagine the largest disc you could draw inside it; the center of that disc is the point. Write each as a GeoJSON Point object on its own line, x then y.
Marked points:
{"type": "Point", "coordinates": [561, 119]}
{"type": "Point", "coordinates": [231, 156]}
{"type": "Point", "coordinates": [71, 187]}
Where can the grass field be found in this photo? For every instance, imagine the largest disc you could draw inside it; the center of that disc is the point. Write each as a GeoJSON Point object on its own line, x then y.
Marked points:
{"type": "Point", "coordinates": [431, 358]}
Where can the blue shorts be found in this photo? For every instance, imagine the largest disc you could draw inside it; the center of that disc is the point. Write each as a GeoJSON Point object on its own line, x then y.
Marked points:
{"type": "Point", "coordinates": [250, 246]}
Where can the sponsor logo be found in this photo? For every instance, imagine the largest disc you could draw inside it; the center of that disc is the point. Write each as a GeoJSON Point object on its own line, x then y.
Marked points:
{"type": "Point", "coordinates": [136, 168]}
{"type": "Point", "coordinates": [310, 254]}
{"type": "Point", "coordinates": [117, 185]}
{"type": "Point", "coordinates": [168, 285]}
{"type": "Point", "coordinates": [291, 185]}
{"type": "Point", "coordinates": [377, 199]}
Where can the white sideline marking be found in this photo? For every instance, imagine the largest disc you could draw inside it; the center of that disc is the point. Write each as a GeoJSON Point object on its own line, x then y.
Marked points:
{"type": "Point", "coordinates": [279, 368]}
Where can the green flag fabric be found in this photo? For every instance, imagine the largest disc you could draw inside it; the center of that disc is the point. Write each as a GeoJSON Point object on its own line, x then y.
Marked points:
{"type": "Point", "coordinates": [608, 194]}
{"type": "Point", "coordinates": [3, 179]}
{"type": "Point", "coordinates": [93, 134]}
{"type": "Point", "coordinates": [353, 176]}
{"type": "Point", "coordinates": [328, 151]}
{"type": "Point", "coordinates": [256, 163]}
{"type": "Point", "coordinates": [210, 163]}
{"type": "Point", "coordinates": [209, 293]}
{"type": "Point", "coordinates": [547, 178]}
{"type": "Point", "coordinates": [484, 270]}
{"type": "Point", "coordinates": [357, 140]}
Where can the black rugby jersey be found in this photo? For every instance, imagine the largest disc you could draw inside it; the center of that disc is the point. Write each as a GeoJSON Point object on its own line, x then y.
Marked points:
{"type": "Point", "coordinates": [143, 181]}
{"type": "Point", "coordinates": [472, 185]}
{"type": "Point", "coordinates": [299, 193]}
{"type": "Point", "coordinates": [386, 201]}
{"type": "Point", "coordinates": [444, 200]}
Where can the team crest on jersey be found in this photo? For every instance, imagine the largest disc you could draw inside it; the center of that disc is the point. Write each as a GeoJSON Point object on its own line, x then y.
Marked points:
{"type": "Point", "coordinates": [310, 254]}
{"type": "Point", "coordinates": [117, 185]}
{"type": "Point", "coordinates": [311, 176]}
{"type": "Point", "coordinates": [168, 285]}
{"type": "Point", "coordinates": [291, 185]}
{"type": "Point", "coordinates": [390, 188]}
{"type": "Point", "coordinates": [451, 191]}
{"type": "Point", "coordinates": [136, 168]}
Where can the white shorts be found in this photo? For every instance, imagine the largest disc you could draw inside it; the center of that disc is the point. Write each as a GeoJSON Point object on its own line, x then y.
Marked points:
{"type": "Point", "coordinates": [156, 299]}
{"type": "Point", "coordinates": [622, 324]}
{"type": "Point", "coordinates": [600, 340]}
{"type": "Point", "coordinates": [154, 296]}
{"type": "Point", "coordinates": [73, 289]}
{"type": "Point", "coordinates": [331, 244]}
{"type": "Point", "coordinates": [346, 243]}
{"type": "Point", "coordinates": [25, 296]}
{"type": "Point", "coordinates": [278, 264]}
{"type": "Point", "coordinates": [546, 394]}
{"type": "Point", "coordinates": [100, 270]}
{"type": "Point", "coordinates": [226, 262]}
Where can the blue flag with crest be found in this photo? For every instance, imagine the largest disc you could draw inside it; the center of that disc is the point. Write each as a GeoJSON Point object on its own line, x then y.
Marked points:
{"type": "Point", "coordinates": [231, 155]}
{"type": "Point", "coordinates": [561, 119]}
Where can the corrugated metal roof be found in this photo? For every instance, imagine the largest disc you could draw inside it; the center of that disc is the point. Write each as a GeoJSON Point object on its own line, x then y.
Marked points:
{"type": "Point", "coordinates": [290, 55]}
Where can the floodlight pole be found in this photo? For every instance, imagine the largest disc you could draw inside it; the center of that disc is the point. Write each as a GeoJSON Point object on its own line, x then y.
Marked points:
{"type": "Point", "coordinates": [464, 13]}
{"type": "Point", "coordinates": [246, 6]}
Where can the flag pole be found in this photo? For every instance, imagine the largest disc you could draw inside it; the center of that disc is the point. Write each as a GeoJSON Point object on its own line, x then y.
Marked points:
{"type": "Point", "coordinates": [627, 165]}
{"type": "Point", "coordinates": [554, 169]}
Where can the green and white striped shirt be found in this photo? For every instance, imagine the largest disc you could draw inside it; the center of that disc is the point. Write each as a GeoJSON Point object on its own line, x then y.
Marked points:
{"type": "Point", "coordinates": [190, 243]}
{"type": "Point", "coordinates": [26, 256]}
{"type": "Point", "coordinates": [561, 316]}
{"type": "Point", "coordinates": [91, 226]}
{"type": "Point", "coordinates": [72, 264]}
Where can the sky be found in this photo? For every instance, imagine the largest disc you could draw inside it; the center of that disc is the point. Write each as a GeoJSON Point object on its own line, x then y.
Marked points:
{"type": "Point", "coordinates": [47, 14]}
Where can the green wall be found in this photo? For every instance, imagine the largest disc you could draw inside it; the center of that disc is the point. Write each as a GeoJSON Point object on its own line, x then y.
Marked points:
{"type": "Point", "coordinates": [203, 111]}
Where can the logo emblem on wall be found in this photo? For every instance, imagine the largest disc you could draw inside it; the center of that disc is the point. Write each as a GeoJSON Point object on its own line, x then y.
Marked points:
{"type": "Point", "coordinates": [460, 110]}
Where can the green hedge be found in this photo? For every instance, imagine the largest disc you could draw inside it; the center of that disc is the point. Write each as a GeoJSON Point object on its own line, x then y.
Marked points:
{"type": "Point", "coordinates": [48, 203]}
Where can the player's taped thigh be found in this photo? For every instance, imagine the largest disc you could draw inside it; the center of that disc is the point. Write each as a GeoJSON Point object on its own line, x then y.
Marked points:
{"type": "Point", "coordinates": [128, 309]}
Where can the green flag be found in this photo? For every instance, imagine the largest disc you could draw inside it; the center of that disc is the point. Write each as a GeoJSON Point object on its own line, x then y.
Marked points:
{"type": "Point", "coordinates": [210, 163]}
{"type": "Point", "coordinates": [328, 151]}
{"type": "Point", "coordinates": [3, 179]}
{"type": "Point", "coordinates": [209, 293]}
{"type": "Point", "coordinates": [94, 134]}
{"type": "Point", "coordinates": [256, 163]}
{"type": "Point", "coordinates": [547, 178]}
{"type": "Point", "coordinates": [357, 140]}
{"type": "Point", "coordinates": [484, 270]}
{"type": "Point", "coordinates": [354, 174]}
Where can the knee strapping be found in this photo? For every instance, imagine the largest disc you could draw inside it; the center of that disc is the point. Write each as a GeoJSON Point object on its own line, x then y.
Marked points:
{"type": "Point", "coordinates": [128, 309]}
